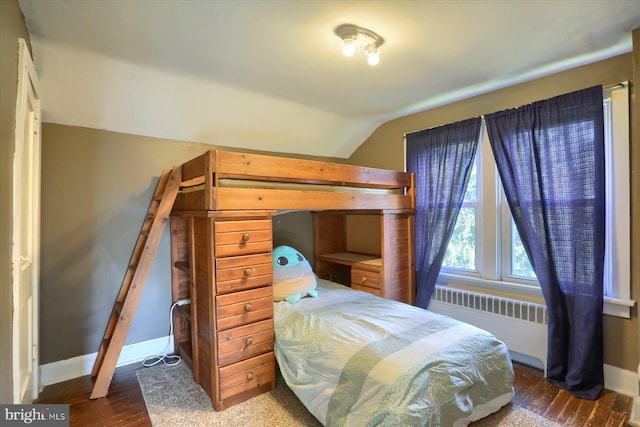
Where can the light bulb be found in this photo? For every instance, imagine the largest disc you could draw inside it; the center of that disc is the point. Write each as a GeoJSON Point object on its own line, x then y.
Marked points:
{"type": "Point", "coordinates": [348, 47]}
{"type": "Point", "coordinates": [372, 57]}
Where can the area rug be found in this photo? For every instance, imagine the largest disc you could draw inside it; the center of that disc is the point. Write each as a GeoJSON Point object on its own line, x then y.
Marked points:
{"type": "Point", "coordinates": [174, 399]}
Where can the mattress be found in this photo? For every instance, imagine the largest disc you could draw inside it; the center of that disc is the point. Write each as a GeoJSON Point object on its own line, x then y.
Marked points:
{"type": "Point", "coordinates": [279, 185]}
{"type": "Point", "coordinates": [354, 359]}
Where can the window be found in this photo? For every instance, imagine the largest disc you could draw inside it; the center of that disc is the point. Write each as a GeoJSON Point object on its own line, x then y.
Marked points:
{"type": "Point", "coordinates": [461, 252]}
{"type": "Point", "coordinates": [485, 212]}
{"type": "Point", "coordinates": [520, 265]}
{"type": "Point", "coordinates": [485, 249]}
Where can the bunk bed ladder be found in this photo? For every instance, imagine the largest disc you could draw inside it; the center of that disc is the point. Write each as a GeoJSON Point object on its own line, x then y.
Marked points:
{"type": "Point", "coordinates": [134, 280]}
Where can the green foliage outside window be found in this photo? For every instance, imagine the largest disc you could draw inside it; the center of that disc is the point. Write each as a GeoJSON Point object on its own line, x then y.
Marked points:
{"type": "Point", "coordinates": [461, 252]}
{"type": "Point", "coordinates": [520, 265]}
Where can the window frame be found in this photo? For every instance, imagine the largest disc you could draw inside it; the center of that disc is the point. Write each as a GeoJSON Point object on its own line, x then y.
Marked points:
{"type": "Point", "coordinates": [617, 300]}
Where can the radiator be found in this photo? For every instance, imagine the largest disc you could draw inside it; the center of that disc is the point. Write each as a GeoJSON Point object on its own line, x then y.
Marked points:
{"type": "Point", "coordinates": [521, 325]}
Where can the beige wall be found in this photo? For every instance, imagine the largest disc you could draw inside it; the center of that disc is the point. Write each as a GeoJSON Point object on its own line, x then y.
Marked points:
{"type": "Point", "coordinates": [96, 188]}
{"type": "Point", "coordinates": [385, 149]}
{"type": "Point", "coordinates": [12, 27]}
{"type": "Point", "coordinates": [295, 229]}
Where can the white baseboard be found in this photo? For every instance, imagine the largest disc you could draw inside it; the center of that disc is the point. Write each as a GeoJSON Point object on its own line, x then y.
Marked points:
{"type": "Point", "coordinates": [634, 420]}
{"type": "Point", "coordinates": [80, 366]}
{"type": "Point", "coordinates": [621, 381]}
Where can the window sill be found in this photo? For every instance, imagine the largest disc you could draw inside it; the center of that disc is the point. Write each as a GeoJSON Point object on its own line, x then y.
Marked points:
{"type": "Point", "coordinates": [612, 306]}
{"type": "Point", "coordinates": [618, 307]}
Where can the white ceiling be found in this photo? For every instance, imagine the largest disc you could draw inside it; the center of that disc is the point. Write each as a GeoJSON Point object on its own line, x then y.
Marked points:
{"type": "Point", "coordinates": [270, 75]}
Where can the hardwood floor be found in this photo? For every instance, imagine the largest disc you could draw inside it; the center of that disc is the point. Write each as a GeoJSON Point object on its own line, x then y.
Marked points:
{"type": "Point", "coordinates": [535, 393]}
{"type": "Point", "coordinates": [124, 405]}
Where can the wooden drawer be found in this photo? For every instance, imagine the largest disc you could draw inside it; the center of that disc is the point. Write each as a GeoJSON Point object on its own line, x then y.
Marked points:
{"type": "Point", "coordinates": [368, 278]}
{"type": "Point", "coordinates": [373, 291]}
{"type": "Point", "coordinates": [240, 308]}
{"type": "Point", "coordinates": [242, 237]}
{"type": "Point", "coordinates": [244, 342]}
{"type": "Point", "coordinates": [246, 375]}
{"type": "Point", "coordinates": [243, 272]}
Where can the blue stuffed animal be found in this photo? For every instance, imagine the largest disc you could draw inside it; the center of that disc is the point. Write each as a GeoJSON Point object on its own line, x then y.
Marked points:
{"type": "Point", "coordinates": [293, 277]}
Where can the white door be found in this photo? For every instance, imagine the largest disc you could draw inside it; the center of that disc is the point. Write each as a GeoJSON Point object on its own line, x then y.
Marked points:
{"type": "Point", "coordinates": [26, 232]}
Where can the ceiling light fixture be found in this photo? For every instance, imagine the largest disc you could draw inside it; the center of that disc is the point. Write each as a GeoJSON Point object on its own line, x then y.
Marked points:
{"type": "Point", "coordinates": [366, 42]}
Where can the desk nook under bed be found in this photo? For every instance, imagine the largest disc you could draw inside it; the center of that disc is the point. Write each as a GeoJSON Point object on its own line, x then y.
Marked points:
{"type": "Point", "coordinates": [221, 250]}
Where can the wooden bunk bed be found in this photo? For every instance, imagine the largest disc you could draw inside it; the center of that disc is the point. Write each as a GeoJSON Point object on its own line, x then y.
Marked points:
{"type": "Point", "coordinates": [222, 181]}
{"type": "Point", "coordinates": [221, 245]}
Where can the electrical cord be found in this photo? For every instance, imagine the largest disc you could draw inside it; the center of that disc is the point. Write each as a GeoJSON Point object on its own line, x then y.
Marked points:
{"type": "Point", "coordinates": [165, 357]}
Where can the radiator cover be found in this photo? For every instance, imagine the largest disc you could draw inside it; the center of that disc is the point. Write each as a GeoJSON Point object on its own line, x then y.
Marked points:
{"type": "Point", "coordinates": [521, 325]}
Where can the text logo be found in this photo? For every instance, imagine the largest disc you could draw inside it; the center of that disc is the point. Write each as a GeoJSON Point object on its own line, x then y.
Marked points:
{"type": "Point", "coordinates": [34, 415]}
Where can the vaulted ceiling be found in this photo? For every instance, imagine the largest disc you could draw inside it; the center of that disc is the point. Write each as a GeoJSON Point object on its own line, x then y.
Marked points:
{"type": "Point", "coordinates": [270, 75]}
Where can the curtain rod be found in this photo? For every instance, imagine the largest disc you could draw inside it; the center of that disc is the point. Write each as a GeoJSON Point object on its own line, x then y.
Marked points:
{"type": "Point", "coordinates": [615, 85]}
{"type": "Point", "coordinates": [604, 87]}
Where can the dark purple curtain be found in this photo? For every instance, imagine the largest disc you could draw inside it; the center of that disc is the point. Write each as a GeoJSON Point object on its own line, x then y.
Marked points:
{"type": "Point", "coordinates": [442, 159]}
{"type": "Point", "coordinates": [550, 157]}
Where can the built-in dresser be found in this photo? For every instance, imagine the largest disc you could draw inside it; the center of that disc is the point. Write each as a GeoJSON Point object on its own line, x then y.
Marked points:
{"type": "Point", "coordinates": [222, 281]}
{"type": "Point", "coordinates": [384, 267]}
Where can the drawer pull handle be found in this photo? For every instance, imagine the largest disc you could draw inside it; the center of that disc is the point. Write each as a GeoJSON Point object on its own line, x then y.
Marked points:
{"type": "Point", "coordinates": [249, 376]}
{"type": "Point", "coordinates": [246, 237]}
{"type": "Point", "coordinates": [363, 279]}
{"type": "Point", "coordinates": [248, 308]}
{"type": "Point", "coordinates": [248, 342]}
{"type": "Point", "coordinates": [248, 272]}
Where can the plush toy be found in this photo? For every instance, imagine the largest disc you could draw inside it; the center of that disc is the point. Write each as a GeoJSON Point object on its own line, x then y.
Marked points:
{"type": "Point", "coordinates": [293, 277]}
